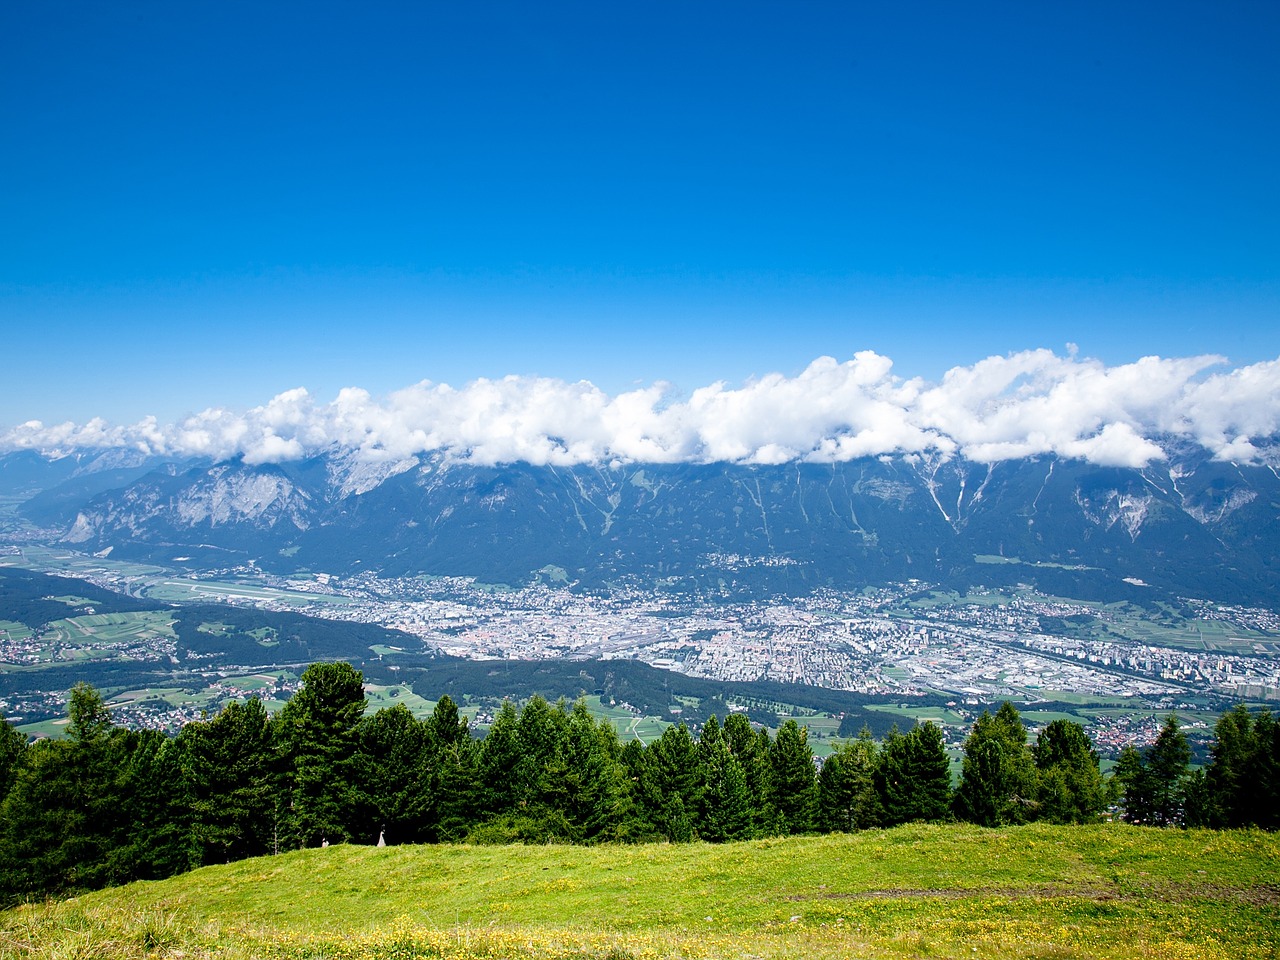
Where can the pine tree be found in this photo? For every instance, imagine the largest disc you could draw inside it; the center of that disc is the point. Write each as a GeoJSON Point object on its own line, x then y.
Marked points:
{"type": "Point", "coordinates": [1071, 787]}
{"type": "Point", "coordinates": [793, 779]}
{"type": "Point", "coordinates": [847, 797]}
{"type": "Point", "coordinates": [13, 749]}
{"type": "Point", "coordinates": [395, 775]}
{"type": "Point", "coordinates": [998, 777]}
{"type": "Point", "coordinates": [318, 742]}
{"type": "Point", "coordinates": [914, 779]}
{"type": "Point", "coordinates": [725, 812]}
{"type": "Point", "coordinates": [229, 783]}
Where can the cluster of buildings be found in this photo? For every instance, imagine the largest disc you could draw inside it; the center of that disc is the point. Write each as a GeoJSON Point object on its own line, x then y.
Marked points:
{"type": "Point", "coordinates": [899, 640]}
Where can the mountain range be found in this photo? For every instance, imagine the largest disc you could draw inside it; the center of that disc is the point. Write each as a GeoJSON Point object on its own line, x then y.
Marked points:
{"type": "Point", "coordinates": [1188, 525]}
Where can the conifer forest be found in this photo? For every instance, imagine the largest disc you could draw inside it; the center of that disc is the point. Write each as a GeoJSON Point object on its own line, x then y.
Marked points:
{"type": "Point", "coordinates": [107, 805]}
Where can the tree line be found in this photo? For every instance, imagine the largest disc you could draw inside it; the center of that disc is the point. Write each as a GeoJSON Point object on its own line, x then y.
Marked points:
{"type": "Point", "coordinates": [108, 805]}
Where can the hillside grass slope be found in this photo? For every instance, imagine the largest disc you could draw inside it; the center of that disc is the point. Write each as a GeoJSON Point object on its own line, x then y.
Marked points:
{"type": "Point", "coordinates": [1106, 891]}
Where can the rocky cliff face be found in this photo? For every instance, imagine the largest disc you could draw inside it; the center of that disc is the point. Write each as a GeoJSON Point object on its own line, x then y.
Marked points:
{"type": "Point", "coordinates": [1189, 525]}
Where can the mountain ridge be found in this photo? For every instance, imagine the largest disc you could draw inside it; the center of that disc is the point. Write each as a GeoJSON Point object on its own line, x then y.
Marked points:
{"type": "Point", "coordinates": [1178, 525]}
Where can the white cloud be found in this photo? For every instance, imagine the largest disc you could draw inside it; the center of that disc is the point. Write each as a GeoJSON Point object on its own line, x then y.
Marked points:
{"type": "Point", "coordinates": [1034, 402]}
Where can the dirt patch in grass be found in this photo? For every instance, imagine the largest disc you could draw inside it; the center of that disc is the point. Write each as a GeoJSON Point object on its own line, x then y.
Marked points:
{"type": "Point", "coordinates": [1263, 895]}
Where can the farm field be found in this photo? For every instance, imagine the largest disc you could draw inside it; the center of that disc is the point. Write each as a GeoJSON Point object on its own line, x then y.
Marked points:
{"type": "Point", "coordinates": [1106, 891]}
{"type": "Point", "coordinates": [183, 590]}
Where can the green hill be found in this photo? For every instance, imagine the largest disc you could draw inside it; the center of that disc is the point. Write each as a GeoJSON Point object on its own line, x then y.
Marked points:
{"type": "Point", "coordinates": [918, 891]}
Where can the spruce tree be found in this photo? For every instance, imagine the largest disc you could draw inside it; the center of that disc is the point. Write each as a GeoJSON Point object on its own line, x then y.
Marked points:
{"type": "Point", "coordinates": [52, 841]}
{"type": "Point", "coordinates": [455, 787]}
{"type": "Point", "coordinates": [1262, 805]}
{"type": "Point", "coordinates": [671, 784]}
{"type": "Point", "coordinates": [595, 793]}
{"type": "Point", "coordinates": [80, 809]}
{"type": "Point", "coordinates": [847, 797]}
{"type": "Point", "coordinates": [1126, 786]}
{"type": "Point", "coordinates": [998, 777]}
{"type": "Point", "coordinates": [316, 732]}
{"type": "Point", "coordinates": [1071, 787]}
{"type": "Point", "coordinates": [151, 840]}
{"type": "Point", "coordinates": [914, 779]}
{"type": "Point", "coordinates": [726, 804]}
{"type": "Point", "coordinates": [1166, 767]}
{"type": "Point", "coordinates": [89, 720]}
{"type": "Point", "coordinates": [229, 783]}
{"type": "Point", "coordinates": [752, 752]}
{"type": "Point", "coordinates": [1229, 769]}
{"type": "Point", "coordinates": [498, 760]}
{"type": "Point", "coordinates": [13, 749]}
{"type": "Point", "coordinates": [395, 775]}
{"type": "Point", "coordinates": [1154, 781]}
{"type": "Point", "coordinates": [793, 780]}
{"type": "Point", "coordinates": [542, 735]}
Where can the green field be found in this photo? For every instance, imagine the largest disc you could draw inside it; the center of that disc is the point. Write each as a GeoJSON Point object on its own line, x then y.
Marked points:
{"type": "Point", "coordinates": [52, 560]}
{"type": "Point", "coordinates": [996, 559]}
{"type": "Point", "coordinates": [1045, 717]}
{"type": "Point", "coordinates": [1050, 893]}
{"type": "Point", "coordinates": [15, 631]}
{"type": "Point", "coordinates": [109, 628]}
{"type": "Point", "coordinates": [45, 728]}
{"type": "Point", "coordinates": [72, 601]}
{"type": "Point", "coordinates": [948, 598]}
{"type": "Point", "coordinates": [385, 697]}
{"type": "Point", "coordinates": [92, 636]}
{"type": "Point", "coordinates": [912, 714]}
{"type": "Point", "coordinates": [184, 590]}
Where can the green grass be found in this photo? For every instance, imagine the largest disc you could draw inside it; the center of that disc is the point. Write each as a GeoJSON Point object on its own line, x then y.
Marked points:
{"type": "Point", "coordinates": [1110, 891]}
{"type": "Point", "coordinates": [380, 697]}
{"type": "Point", "coordinates": [995, 559]}
{"type": "Point", "coordinates": [116, 627]}
{"type": "Point", "coordinates": [258, 681]}
{"type": "Point", "coordinates": [1045, 717]}
{"type": "Point", "coordinates": [912, 714]}
{"type": "Point", "coordinates": [45, 728]}
{"type": "Point", "coordinates": [15, 630]}
{"type": "Point", "coordinates": [184, 590]}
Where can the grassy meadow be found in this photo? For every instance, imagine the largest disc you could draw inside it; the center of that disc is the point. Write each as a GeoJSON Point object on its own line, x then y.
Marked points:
{"type": "Point", "coordinates": [1107, 891]}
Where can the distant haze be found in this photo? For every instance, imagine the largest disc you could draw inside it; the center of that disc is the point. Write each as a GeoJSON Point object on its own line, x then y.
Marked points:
{"type": "Point", "coordinates": [1000, 408]}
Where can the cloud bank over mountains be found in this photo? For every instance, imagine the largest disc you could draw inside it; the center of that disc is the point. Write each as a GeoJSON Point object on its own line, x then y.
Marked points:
{"type": "Point", "coordinates": [1003, 407]}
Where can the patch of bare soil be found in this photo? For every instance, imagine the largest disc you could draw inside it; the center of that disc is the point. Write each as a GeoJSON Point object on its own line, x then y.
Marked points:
{"type": "Point", "coordinates": [1258, 896]}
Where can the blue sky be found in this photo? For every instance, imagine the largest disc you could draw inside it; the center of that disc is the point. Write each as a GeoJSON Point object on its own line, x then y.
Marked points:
{"type": "Point", "coordinates": [205, 204]}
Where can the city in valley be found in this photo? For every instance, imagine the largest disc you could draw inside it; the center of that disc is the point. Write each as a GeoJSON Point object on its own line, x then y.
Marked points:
{"type": "Point", "coordinates": [900, 642]}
